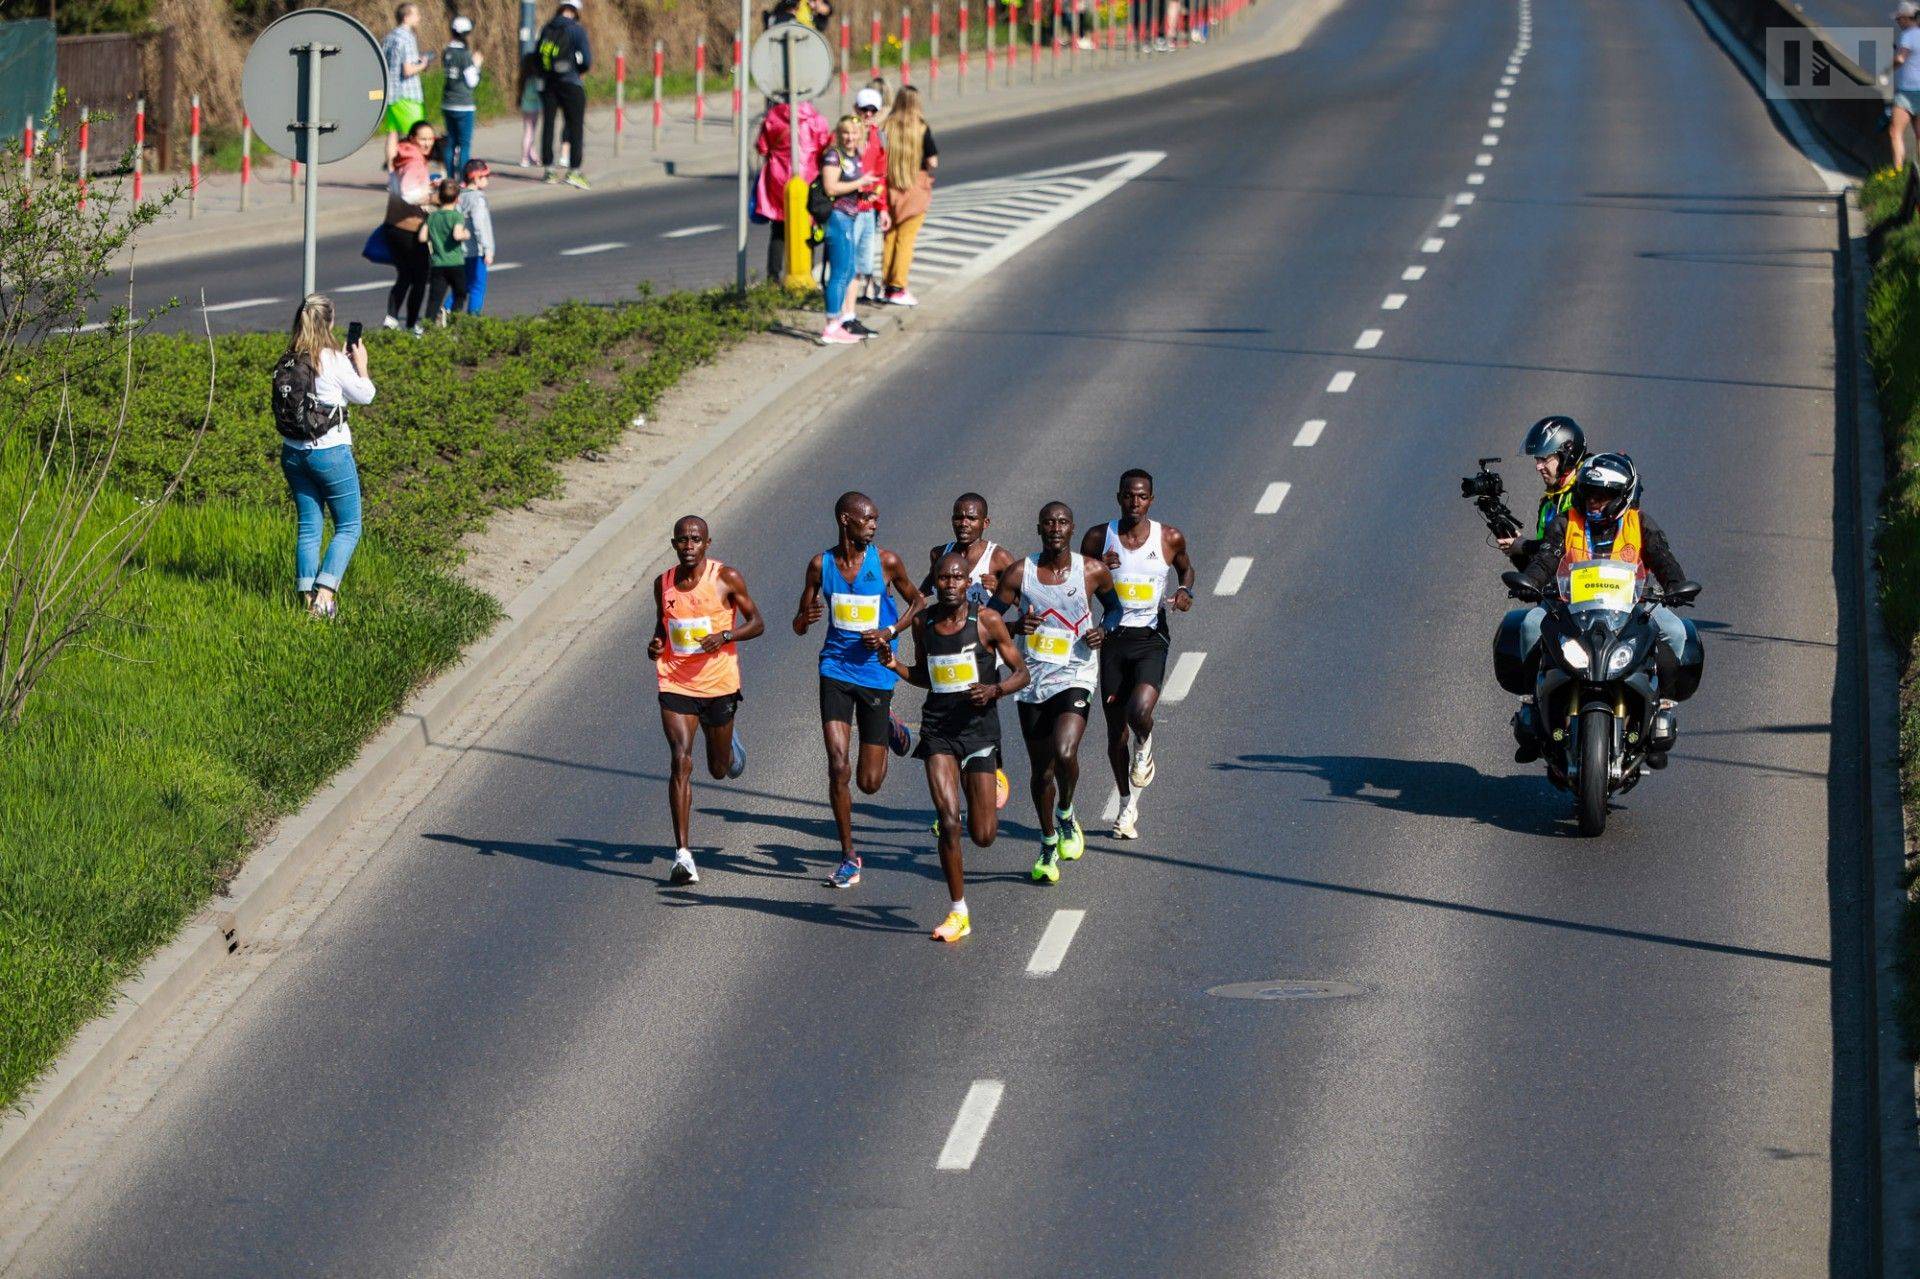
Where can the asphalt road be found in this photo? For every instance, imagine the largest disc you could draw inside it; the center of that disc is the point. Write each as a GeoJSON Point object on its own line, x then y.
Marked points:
{"type": "Point", "coordinates": [510, 1049]}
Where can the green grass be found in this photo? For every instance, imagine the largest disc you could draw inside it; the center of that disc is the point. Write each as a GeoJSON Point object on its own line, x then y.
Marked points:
{"type": "Point", "coordinates": [151, 758]}
{"type": "Point", "coordinates": [1893, 342]}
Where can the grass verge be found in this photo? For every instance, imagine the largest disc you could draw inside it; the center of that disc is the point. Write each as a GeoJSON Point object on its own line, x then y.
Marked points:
{"type": "Point", "coordinates": [153, 758]}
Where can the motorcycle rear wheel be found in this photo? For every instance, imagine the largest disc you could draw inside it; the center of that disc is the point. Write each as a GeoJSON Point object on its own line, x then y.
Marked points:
{"type": "Point", "coordinates": [1596, 743]}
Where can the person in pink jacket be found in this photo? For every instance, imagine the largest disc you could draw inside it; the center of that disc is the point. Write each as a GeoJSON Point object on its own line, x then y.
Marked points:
{"type": "Point", "coordinates": [769, 192]}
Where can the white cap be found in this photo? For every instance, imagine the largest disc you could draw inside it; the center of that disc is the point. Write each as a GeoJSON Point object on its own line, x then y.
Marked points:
{"type": "Point", "coordinates": [867, 98]}
{"type": "Point", "coordinates": [462, 24]}
{"type": "Point", "coordinates": [1906, 9]}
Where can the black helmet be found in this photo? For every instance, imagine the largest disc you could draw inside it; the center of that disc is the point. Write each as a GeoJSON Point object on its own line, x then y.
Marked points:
{"type": "Point", "coordinates": [1557, 436]}
{"type": "Point", "coordinates": [1610, 476]}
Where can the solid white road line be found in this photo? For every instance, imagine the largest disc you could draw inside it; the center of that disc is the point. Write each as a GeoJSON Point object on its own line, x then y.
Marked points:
{"type": "Point", "coordinates": [1341, 381]}
{"type": "Point", "coordinates": [1413, 273]}
{"type": "Point", "coordinates": [241, 305]}
{"type": "Point", "coordinates": [686, 231]}
{"type": "Point", "coordinates": [970, 1125]}
{"type": "Point", "coordinates": [582, 251]}
{"type": "Point", "coordinates": [1393, 302]}
{"type": "Point", "coordinates": [1054, 942]}
{"type": "Point", "coordinates": [1309, 433]}
{"type": "Point", "coordinates": [1433, 246]}
{"type": "Point", "coordinates": [1185, 668]}
{"type": "Point", "coordinates": [1368, 339]}
{"type": "Point", "coordinates": [1233, 576]}
{"type": "Point", "coordinates": [1449, 220]}
{"type": "Point", "coordinates": [1270, 500]}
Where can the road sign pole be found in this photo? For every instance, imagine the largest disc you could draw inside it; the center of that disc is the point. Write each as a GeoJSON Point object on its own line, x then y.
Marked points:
{"type": "Point", "coordinates": [740, 147]}
{"type": "Point", "coordinates": [310, 130]}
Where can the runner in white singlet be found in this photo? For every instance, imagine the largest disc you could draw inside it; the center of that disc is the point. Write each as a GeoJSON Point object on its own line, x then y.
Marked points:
{"type": "Point", "coordinates": [985, 560]}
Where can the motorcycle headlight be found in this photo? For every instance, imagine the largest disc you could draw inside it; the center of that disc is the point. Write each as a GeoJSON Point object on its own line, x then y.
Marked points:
{"type": "Point", "coordinates": [1576, 653]}
{"type": "Point", "coordinates": [1619, 660]}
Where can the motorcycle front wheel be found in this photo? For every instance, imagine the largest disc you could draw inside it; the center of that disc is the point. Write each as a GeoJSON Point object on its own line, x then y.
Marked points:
{"type": "Point", "coordinates": [1596, 742]}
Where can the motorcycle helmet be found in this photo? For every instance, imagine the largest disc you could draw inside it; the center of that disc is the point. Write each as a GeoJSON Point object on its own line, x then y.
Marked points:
{"type": "Point", "coordinates": [1607, 477]}
{"type": "Point", "coordinates": [1556, 436]}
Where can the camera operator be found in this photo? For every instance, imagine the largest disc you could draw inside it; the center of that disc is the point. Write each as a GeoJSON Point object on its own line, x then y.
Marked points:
{"type": "Point", "coordinates": [1557, 446]}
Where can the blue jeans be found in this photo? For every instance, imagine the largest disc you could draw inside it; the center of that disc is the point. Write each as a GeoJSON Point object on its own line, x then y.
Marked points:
{"type": "Point", "coordinates": [323, 480]}
{"type": "Point", "coordinates": [476, 287]}
{"type": "Point", "coordinates": [839, 261]}
{"type": "Point", "coordinates": [866, 243]}
{"type": "Point", "coordinates": [459, 141]}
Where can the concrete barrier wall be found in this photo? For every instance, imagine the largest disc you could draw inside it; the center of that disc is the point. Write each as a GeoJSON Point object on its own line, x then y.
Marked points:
{"type": "Point", "coordinates": [1853, 121]}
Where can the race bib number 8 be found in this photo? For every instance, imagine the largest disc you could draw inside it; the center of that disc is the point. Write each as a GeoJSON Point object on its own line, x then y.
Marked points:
{"type": "Point", "coordinates": [857, 613]}
{"type": "Point", "coordinates": [685, 633]}
{"type": "Point", "coordinates": [1137, 588]}
{"type": "Point", "coordinates": [1050, 644]}
{"type": "Point", "coordinates": [955, 673]}
{"type": "Point", "coordinates": [1604, 585]}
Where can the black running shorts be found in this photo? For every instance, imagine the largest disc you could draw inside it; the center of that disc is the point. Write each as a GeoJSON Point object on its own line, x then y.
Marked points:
{"type": "Point", "coordinates": [711, 711]}
{"type": "Point", "coordinates": [1038, 719]}
{"type": "Point", "coordinates": [1129, 657]}
{"type": "Point", "coordinates": [856, 704]}
{"type": "Point", "coordinates": [977, 752]}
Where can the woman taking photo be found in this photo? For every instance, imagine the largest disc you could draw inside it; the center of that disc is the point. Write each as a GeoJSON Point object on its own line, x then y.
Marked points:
{"type": "Point", "coordinates": [912, 157]}
{"type": "Point", "coordinates": [313, 384]}
{"type": "Point", "coordinates": [846, 186]}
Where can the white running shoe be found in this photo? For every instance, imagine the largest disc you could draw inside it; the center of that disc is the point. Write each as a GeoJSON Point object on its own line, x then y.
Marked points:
{"type": "Point", "coordinates": [1141, 771]}
{"type": "Point", "coordinates": [684, 871]}
{"type": "Point", "coordinates": [1123, 825]}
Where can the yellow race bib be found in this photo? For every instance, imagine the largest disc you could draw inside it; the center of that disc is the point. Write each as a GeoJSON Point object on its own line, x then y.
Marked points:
{"type": "Point", "coordinates": [1602, 584]}
{"type": "Point", "coordinates": [1138, 589]}
{"type": "Point", "coordinates": [857, 613]}
{"type": "Point", "coordinates": [954, 673]}
{"type": "Point", "coordinates": [685, 633]}
{"type": "Point", "coordinates": [1051, 645]}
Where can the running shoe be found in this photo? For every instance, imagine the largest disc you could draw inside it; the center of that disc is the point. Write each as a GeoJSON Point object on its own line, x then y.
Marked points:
{"type": "Point", "coordinates": [846, 874]}
{"type": "Point", "coordinates": [1047, 869]}
{"type": "Point", "coordinates": [835, 334]}
{"type": "Point", "coordinates": [577, 181]}
{"type": "Point", "coordinates": [955, 926]}
{"type": "Point", "coordinates": [901, 297]}
{"type": "Point", "coordinates": [1123, 825]}
{"type": "Point", "coordinates": [858, 329]}
{"type": "Point", "coordinates": [1141, 773]}
{"type": "Point", "coordinates": [684, 871]}
{"type": "Point", "coordinates": [392, 322]}
{"type": "Point", "coordinates": [1001, 788]}
{"type": "Point", "coordinates": [1073, 839]}
{"type": "Point", "coordinates": [899, 736]}
{"type": "Point", "coordinates": [739, 764]}
{"type": "Point", "coordinates": [549, 177]}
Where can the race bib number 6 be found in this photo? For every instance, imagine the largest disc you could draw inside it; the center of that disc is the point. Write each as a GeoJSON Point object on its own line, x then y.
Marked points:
{"type": "Point", "coordinates": [1136, 588]}
{"type": "Point", "coordinates": [955, 673]}
{"type": "Point", "coordinates": [856, 612]}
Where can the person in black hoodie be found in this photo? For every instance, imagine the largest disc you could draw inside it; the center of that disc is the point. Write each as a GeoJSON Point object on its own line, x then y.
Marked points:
{"type": "Point", "coordinates": [565, 56]}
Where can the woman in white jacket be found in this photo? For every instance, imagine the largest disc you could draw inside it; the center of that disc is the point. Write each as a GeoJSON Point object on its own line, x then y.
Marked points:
{"type": "Point", "coordinates": [320, 472]}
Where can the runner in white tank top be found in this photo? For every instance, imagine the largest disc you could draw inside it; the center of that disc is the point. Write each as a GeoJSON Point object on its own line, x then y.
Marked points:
{"type": "Point", "coordinates": [1062, 597]}
{"type": "Point", "coordinates": [986, 560]}
{"type": "Point", "coordinates": [1139, 551]}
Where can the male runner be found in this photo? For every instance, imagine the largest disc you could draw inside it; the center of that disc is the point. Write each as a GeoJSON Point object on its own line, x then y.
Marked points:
{"type": "Point", "coordinates": [850, 581]}
{"type": "Point", "coordinates": [985, 560]}
{"type": "Point", "coordinates": [1133, 660]}
{"type": "Point", "coordinates": [701, 611]}
{"type": "Point", "coordinates": [1056, 591]}
{"type": "Point", "coordinates": [957, 645]}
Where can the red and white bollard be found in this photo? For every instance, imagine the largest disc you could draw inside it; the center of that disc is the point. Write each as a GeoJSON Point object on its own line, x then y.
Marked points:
{"type": "Point", "coordinates": [962, 64]}
{"type": "Point", "coordinates": [933, 51]}
{"type": "Point", "coordinates": [846, 48]}
{"type": "Point", "coordinates": [906, 44]}
{"type": "Point", "coordinates": [873, 48]}
{"type": "Point", "coordinates": [699, 86]}
{"type": "Point", "coordinates": [246, 160]}
{"type": "Point", "coordinates": [1053, 49]}
{"type": "Point", "coordinates": [619, 100]}
{"type": "Point", "coordinates": [193, 158]}
{"type": "Point", "coordinates": [139, 148]}
{"type": "Point", "coordinates": [85, 128]}
{"type": "Point", "coordinates": [659, 102]}
{"type": "Point", "coordinates": [26, 154]}
{"type": "Point", "coordinates": [739, 92]}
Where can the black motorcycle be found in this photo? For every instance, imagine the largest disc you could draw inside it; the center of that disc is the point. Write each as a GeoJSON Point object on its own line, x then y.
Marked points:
{"type": "Point", "coordinates": [1596, 688]}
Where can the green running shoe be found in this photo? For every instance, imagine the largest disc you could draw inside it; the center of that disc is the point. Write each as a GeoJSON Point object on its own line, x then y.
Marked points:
{"type": "Point", "coordinates": [1073, 840]}
{"type": "Point", "coordinates": [1047, 869]}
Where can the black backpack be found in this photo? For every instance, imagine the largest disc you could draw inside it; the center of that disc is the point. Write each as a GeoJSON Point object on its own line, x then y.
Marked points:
{"type": "Point", "coordinates": [819, 203]}
{"type": "Point", "coordinates": [297, 413]}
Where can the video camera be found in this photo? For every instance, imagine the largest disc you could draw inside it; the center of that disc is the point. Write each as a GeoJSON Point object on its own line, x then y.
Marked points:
{"type": "Point", "coordinates": [1484, 489]}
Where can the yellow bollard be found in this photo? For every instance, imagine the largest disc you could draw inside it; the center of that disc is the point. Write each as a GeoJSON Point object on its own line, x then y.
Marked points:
{"type": "Point", "coordinates": [799, 237]}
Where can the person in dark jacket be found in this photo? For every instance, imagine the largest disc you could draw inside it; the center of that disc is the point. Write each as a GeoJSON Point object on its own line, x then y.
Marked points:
{"type": "Point", "coordinates": [1557, 446]}
{"type": "Point", "coordinates": [565, 56]}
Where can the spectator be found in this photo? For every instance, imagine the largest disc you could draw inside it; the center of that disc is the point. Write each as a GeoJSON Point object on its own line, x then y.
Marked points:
{"type": "Point", "coordinates": [409, 188]}
{"type": "Point", "coordinates": [462, 66]}
{"type": "Point", "coordinates": [565, 56]}
{"type": "Point", "coordinates": [443, 233]}
{"type": "Point", "coordinates": [842, 180]}
{"type": "Point", "coordinates": [1906, 79]}
{"type": "Point", "coordinates": [872, 219]}
{"type": "Point", "coordinates": [912, 157]}
{"type": "Point", "coordinates": [401, 49]}
{"type": "Point", "coordinates": [769, 191]}
{"type": "Point", "coordinates": [479, 241]}
{"type": "Point", "coordinates": [313, 384]}
{"type": "Point", "coordinates": [530, 93]}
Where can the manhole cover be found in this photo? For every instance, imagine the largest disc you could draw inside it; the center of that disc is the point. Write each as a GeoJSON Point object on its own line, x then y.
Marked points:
{"type": "Point", "coordinates": [1286, 988]}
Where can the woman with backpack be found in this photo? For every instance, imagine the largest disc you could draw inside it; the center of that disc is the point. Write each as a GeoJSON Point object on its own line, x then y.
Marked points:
{"type": "Point", "coordinates": [313, 384]}
{"type": "Point", "coordinates": [846, 186]}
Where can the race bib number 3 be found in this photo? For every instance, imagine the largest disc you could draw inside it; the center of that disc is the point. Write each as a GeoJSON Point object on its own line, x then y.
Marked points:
{"type": "Point", "coordinates": [955, 673]}
{"type": "Point", "coordinates": [1050, 644]}
{"type": "Point", "coordinates": [1136, 588]}
{"type": "Point", "coordinates": [685, 633]}
{"type": "Point", "coordinates": [858, 613]}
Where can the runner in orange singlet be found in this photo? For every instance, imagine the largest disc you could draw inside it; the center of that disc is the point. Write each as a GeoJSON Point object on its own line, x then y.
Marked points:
{"type": "Point", "coordinates": [701, 611]}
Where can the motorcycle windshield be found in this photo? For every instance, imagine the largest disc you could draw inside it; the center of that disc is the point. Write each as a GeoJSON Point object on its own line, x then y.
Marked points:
{"type": "Point", "coordinates": [1612, 586]}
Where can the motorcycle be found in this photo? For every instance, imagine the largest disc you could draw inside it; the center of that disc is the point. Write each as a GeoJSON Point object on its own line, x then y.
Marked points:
{"type": "Point", "coordinates": [1596, 689]}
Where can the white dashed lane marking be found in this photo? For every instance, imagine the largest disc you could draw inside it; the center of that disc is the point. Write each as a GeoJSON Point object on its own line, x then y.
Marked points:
{"type": "Point", "coordinates": [1309, 433]}
{"type": "Point", "coordinates": [1433, 246]}
{"type": "Point", "coordinates": [1393, 302]}
{"type": "Point", "coordinates": [1368, 340]}
{"type": "Point", "coordinates": [1413, 273]}
{"type": "Point", "coordinates": [1112, 810]}
{"type": "Point", "coordinates": [583, 250]}
{"type": "Point", "coordinates": [1186, 668]}
{"type": "Point", "coordinates": [970, 1126]}
{"type": "Point", "coordinates": [1465, 197]}
{"type": "Point", "coordinates": [686, 231]}
{"type": "Point", "coordinates": [1449, 221]}
{"type": "Point", "coordinates": [1233, 576]}
{"type": "Point", "coordinates": [241, 305]}
{"type": "Point", "coordinates": [1341, 381]}
{"type": "Point", "coordinates": [1270, 500]}
{"type": "Point", "coordinates": [368, 287]}
{"type": "Point", "coordinates": [1047, 956]}
{"type": "Point", "coordinates": [1476, 178]}
{"type": "Point", "coordinates": [1483, 160]}
{"type": "Point", "coordinates": [1490, 140]}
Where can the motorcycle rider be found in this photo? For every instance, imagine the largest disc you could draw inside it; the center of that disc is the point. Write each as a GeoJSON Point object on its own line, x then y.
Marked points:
{"type": "Point", "coordinates": [1604, 521]}
{"type": "Point", "coordinates": [1557, 446]}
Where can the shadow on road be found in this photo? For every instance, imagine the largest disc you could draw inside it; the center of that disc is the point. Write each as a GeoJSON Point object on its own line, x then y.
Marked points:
{"type": "Point", "coordinates": [1525, 804]}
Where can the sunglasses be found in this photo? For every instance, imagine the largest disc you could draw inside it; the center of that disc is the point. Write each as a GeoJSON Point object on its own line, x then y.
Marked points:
{"type": "Point", "coordinates": [869, 110]}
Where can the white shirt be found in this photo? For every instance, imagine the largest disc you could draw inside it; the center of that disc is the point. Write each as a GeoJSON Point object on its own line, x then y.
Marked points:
{"type": "Point", "coordinates": [337, 382]}
{"type": "Point", "coordinates": [1906, 77]}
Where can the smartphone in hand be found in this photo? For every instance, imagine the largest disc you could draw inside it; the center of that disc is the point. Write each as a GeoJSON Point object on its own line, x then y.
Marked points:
{"type": "Point", "coordinates": [353, 335]}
